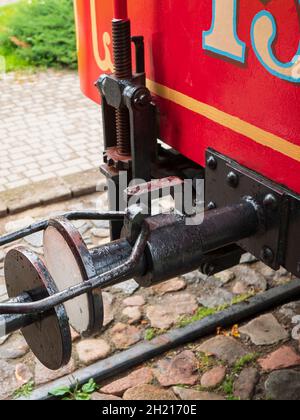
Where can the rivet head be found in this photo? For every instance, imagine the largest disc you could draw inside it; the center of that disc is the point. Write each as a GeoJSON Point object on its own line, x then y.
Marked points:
{"type": "Point", "coordinates": [267, 255]}
{"type": "Point", "coordinates": [233, 179]}
{"type": "Point", "coordinates": [142, 99]}
{"type": "Point", "coordinates": [270, 202]}
{"type": "Point", "coordinates": [212, 163]}
{"type": "Point", "coordinates": [211, 206]}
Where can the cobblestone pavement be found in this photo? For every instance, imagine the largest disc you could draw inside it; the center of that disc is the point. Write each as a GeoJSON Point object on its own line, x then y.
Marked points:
{"type": "Point", "coordinates": [48, 128]}
{"type": "Point", "coordinates": [257, 360]}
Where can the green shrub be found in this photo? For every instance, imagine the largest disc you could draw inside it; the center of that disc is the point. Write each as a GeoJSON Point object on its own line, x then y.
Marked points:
{"type": "Point", "coordinates": [39, 33]}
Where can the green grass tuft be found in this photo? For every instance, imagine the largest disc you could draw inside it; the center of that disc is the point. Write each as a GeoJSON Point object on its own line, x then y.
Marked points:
{"type": "Point", "coordinates": [203, 312]}
{"type": "Point", "coordinates": [152, 333]}
{"type": "Point", "coordinates": [24, 391]}
{"type": "Point", "coordinates": [243, 362]}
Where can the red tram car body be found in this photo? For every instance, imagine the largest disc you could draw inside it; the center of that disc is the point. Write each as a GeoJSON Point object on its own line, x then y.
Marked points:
{"type": "Point", "coordinates": [224, 73]}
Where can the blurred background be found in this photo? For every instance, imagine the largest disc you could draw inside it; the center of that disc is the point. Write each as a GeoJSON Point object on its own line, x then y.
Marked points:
{"type": "Point", "coordinates": [48, 129]}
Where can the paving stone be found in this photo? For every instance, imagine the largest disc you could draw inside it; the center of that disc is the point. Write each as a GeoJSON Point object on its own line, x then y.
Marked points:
{"type": "Point", "coordinates": [193, 395]}
{"type": "Point", "coordinates": [296, 330]}
{"type": "Point", "coordinates": [247, 258]}
{"type": "Point", "coordinates": [249, 280]}
{"type": "Point", "coordinates": [127, 287]}
{"type": "Point", "coordinates": [138, 377]}
{"type": "Point", "coordinates": [21, 200]}
{"type": "Point", "coordinates": [194, 277]}
{"type": "Point", "coordinates": [23, 374]}
{"type": "Point", "coordinates": [3, 339]}
{"type": "Point", "coordinates": [133, 314]}
{"type": "Point", "coordinates": [290, 310]}
{"type": "Point", "coordinates": [244, 386]}
{"type": "Point", "coordinates": [215, 298]}
{"type": "Point", "coordinates": [170, 286]}
{"type": "Point", "coordinates": [57, 190]}
{"type": "Point", "coordinates": [134, 301]}
{"type": "Point", "coordinates": [284, 357]}
{"type": "Point", "coordinates": [3, 209]}
{"type": "Point", "coordinates": [100, 233]}
{"type": "Point", "coordinates": [8, 383]}
{"type": "Point", "coordinates": [18, 224]}
{"type": "Point", "coordinates": [283, 385]}
{"type": "Point", "coordinates": [84, 229]}
{"type": "Point", "coordinates": [43, 375]}
{"type": "Point", "coordinates": [182, 369]}
{"type": "Point", "coordinates": [74, 334]}
{"type": "Point", "coordinates": [265, 330]}
{"type": "Point", "coordinates": [225, 276]}
{"type": "Point", "coordinates": [149, 393]}
{"type": "Point", "coordinates": [14, 348]}
{"type": "Point", "coordinates": [170, 308]}
{"type": "Point", "coordinates": [84, 182]}
{"type": "Point", "coordinates": [101, 224]}
{"type": "Point", "coordinates": [124, 336]}
{"type": "Point", "coordinates": [36, 239]}
{"type": "Point", "coordinates": [104, 397]}
{"type": "Point", "coordinates": [224, 348]}
{"type": "Point", "coordinates": [89, 351]}
{"type": "Point", "coordinates": [108, 308]}
{"type": "Point", "coordinates": [213, 377]}
{"type": "Point", "coordinates": [2, 256]}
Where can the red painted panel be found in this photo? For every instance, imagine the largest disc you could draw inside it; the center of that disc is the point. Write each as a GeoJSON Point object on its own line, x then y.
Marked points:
{"type": "Point", "coordinates": [176, 59]}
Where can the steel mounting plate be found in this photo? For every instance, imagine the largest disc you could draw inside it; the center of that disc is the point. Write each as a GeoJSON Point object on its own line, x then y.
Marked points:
{"type": "Point", "coordinates": [50, 337]}
{"type": "Point", "coordinates": [70, 263]}
{"type": "Point", "coordinates": [227, 182]}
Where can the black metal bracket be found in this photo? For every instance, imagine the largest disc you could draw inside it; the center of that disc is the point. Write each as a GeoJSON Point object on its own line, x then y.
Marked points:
{"type": "Point", "coordinates": [142, 113]}
{"type": "Point", "coordinates": [226, 182]}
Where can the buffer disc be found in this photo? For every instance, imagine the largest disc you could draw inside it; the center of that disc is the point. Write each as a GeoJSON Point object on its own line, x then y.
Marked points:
{"type": "Point", "coordinates": [70, 263]}
{"type": "Point", "coordinates": [49, 338]}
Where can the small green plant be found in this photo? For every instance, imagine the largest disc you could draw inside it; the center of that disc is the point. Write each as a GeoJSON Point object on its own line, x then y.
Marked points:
{"type": "Point", "coordinates": [244, 361]}
{"type": "Point", "coordinates": [242, 298]}
{"type": "Point", "coordinates": [83, 393]}
{"type": "Point", "coordinates": [205, 361]}
{"type": "Point", "coordinates": [24, 391]}
{"type": "Point", "coordinates": [151, 333]}
{"type": "Point", "coordinates": [199, 315]}
{"type": "Point", "coordinates": [203, 312]}
{"type": "Point", "coordinates": [228, 385]}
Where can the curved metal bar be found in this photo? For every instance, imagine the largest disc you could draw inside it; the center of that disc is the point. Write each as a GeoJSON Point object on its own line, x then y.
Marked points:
{"type": "Point", "coordinates": [114, 276]}
{"type": "Point", "coordinates": [73, 215]}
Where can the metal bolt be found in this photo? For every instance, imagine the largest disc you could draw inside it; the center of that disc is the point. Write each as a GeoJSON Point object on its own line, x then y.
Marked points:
{"type": "Point", "coordinates": [270, 202]}
{"type": "Point", "coordinates": [207, 269]}
{"type": "Point", "coordinates": [212, 163]}
{"type": "Point", "coordinates": [267, 255]}
{"type": "Point", "coordinates": [233, 179]}
{"type": "Point", "coordinates": [142, 99]}
{"type": "Point", "coordinates": [211, 206]}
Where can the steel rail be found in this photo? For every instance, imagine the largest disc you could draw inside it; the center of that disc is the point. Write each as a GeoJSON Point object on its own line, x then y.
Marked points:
{"type": "Point", "coordinates": [147, 350]}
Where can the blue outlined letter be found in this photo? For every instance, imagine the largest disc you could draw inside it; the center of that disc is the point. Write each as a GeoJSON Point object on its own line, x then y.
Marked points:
{"type": "Point", "coordinates": [263, 34]}
{"type": "Point", "coordinates": [222, 37]}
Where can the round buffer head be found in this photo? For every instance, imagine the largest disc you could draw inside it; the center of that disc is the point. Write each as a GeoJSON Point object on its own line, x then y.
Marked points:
{"type": "Point", "coordinates": [70, 263]}
{"type": "Point", "coordinates": [49, 338]}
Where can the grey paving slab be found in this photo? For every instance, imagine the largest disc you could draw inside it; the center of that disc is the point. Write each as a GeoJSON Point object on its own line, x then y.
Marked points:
{"type": "Point", "coordinates": [47, 128]}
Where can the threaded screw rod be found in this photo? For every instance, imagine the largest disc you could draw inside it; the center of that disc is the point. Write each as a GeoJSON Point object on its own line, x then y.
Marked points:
{"type": "Point", "coordinates": [123, 70]}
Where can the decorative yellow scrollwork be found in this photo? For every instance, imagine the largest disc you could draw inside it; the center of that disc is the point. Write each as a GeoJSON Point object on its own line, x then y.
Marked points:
{"type": "Point", "coordinates": [105, 64]}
